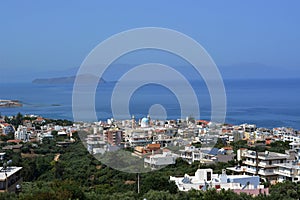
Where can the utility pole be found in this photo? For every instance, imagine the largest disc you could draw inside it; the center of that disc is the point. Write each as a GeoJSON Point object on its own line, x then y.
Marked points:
{"type": "Point", "coordinates": [6, 182]}
{"type": "Point", "coordinates": [256, 162]}
{"type": "Point", "coordinates": [138, 183]}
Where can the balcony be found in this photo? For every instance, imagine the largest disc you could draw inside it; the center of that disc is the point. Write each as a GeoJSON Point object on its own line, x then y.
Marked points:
{"type": "Point", "coordinates": [249, 163]}
{"type": "Point", "coordinates": [249, 171]}
{"type": "Point", "coordinates": [186, 156]}
{"type": "Point", "coordinates": [283, 173]}
{"type": "Point", "coordinates": [266, 173]}
{"type": "Point", "coordinates": [263, 165]}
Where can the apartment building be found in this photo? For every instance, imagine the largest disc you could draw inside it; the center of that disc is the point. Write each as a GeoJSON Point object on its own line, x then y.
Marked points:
{"type": "Point", "coordinates": [288, 172]}
{"type": "Point", "coordinates": [263, 164]}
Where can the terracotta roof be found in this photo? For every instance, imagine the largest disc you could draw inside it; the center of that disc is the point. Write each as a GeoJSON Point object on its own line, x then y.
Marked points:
{"type": "Point", "coordinates": [227, 148]}
{"type": "Point", "coordinates": [139, 149]}
{"type": "Point", "coordinates": [203, 121]}
{"type": "Point", "coordinates": [153, 146]}
{"type": "Point", "coordinates": [6, 124]}
{"type": "Point", "coordinates": [14, 141]}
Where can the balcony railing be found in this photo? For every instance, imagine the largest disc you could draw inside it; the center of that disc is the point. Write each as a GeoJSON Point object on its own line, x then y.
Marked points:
{"type": "Point", "coordinates": [249, 163]}
{"type": "Point", "coordinates": [266, 165]}
{"type": "Point", "coordinates": [266, 173]}
{"type": "Point", "coordinates": [283, 173]}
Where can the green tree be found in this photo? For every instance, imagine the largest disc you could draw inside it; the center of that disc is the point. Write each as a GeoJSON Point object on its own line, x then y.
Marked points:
{"type": "Point", "coordinates": [163, 195]}
{"type": "Point", "coordinates": [239, 144]}
{"type": "Point", "coordinates": [19, 119]}
{"type": "Point", "coordinates": [7, 120]}
{"type": "Point", "coordinates": [279, 146]}
{"type": "Point", "coordinates": [285, 190]}
{"type": "Point", "coordinates": [220, 143]}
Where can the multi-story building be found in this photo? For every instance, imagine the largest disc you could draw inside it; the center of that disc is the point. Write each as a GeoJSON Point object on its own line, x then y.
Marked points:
{"type": "Point", "coordinates": [261, 163]}
{"type": "Point", "coordinates": [248, 127]}
{"type": "Point", "coordinates": [95, 144]}
{"type": "Point", "coordinates": [163, 139]}
{"type": "Point", "coordinates": [22, 133]}
{"type": "Point", "coordinates": [294, 145]}
{"type": "Point", "coordinates": [138, 137]}
{"type": "Point", "coordinates": [190, 154]}
{"type": "Point", "coordinates": [291, 138]}
{"type": "Point", "coordinates": [114, 137]}
{"type": "Point", "coordinates": [288, 171]}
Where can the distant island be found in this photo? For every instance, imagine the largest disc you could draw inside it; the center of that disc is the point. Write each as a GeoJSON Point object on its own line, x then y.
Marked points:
{"type": "Point", "coordinates": [85, 78]}
{"type": "Point", "coordinates": [10, 103]}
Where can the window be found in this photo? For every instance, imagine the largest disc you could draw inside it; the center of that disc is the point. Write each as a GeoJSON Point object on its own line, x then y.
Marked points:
{"type": "Point", "coordinates": [2, 185]}
{"type": "Point", "coordinates": [208, 175]}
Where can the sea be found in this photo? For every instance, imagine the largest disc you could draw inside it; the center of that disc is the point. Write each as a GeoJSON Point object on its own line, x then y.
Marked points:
{"type": "Point", "coordinates": [267, 103]}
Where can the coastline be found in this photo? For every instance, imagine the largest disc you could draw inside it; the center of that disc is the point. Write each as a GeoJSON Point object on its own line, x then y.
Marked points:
{"type": "Point", "coordinates": [10, 103]}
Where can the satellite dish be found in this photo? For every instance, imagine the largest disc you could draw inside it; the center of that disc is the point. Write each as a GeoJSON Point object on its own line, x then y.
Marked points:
{"type": "Point", "coordinates": [18, 186]}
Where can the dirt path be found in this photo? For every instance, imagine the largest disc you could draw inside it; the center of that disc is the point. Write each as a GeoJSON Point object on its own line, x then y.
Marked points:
{"type": "Point", "coordinates": [56, 158]}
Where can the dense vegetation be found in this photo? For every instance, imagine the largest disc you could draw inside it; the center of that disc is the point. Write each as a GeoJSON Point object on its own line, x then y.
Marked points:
{"type": "Point", "coordinates": [78, 175]}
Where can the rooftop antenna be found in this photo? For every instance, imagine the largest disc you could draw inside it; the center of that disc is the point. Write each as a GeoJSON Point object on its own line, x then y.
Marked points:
{"type": "Point", "coordinates": [132, 122]}
{"type": "Point", "coordinates": [6, 164]}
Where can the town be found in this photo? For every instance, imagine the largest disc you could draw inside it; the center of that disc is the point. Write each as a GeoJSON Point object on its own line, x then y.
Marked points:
{"type": "Point", "coordinates": [256, 158]}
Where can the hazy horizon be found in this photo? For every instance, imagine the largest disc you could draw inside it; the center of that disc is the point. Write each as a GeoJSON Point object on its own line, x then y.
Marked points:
{"type": "Point", "coordinates": [46, 39]}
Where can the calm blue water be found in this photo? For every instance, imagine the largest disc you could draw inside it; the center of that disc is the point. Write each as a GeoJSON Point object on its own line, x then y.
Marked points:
{"type": "Point", "coordinates": [267, 103]}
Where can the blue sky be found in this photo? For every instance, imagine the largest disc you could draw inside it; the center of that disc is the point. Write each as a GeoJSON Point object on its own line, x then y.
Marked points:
{"type": "Point", "coordinates": [52, 36]}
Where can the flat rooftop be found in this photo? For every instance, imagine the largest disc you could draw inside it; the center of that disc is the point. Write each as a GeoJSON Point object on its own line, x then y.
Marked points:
{"type": "Point", "coordinates": [239, 176]}
{"type": "Point", "coordinates": [269, 155]}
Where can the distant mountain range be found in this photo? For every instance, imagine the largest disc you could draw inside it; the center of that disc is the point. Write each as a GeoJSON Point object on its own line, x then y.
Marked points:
{"type": "Point", "coordinates": [234, 71]}
{"type": "Point", "coordinates": [85, 78]}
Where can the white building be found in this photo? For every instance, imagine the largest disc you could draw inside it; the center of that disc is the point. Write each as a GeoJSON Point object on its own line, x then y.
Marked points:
{"type": "Point", "coordinates": [95, 144]}
{"type": "Point", "coordinates": [288, 171]}
{"type": "Point", "coordinates": [248, 127]}
{"type": "Point", "coordinates": [191, 154]}
{"type": "Point", "coordinates": [157, 161]}
{"type": "Point", "coordinates": [290, 138]}
{"type": "Point", "coordinates": [264, 167]}
{"type": "Point", "coordinates": [294, 145]}
{"type": "Point", "coordinates": [138, 137]}
{"type": "Point", "coordinates": [22, 133]}
{"type": "Point", "coordinates": [46, 135]}
{"type": "Point", "coordinates": [205, 179]}
{"type": "Point", "coordinates": [62, 133]}
{"type": "Point", "coordinates": [58, 128]}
